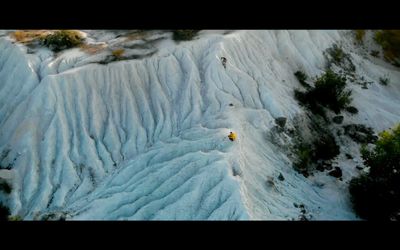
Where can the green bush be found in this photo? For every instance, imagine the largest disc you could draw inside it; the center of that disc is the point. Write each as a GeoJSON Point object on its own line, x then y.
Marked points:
{"type": "Point", "coordinates": [329, 92]}
{"type": "Point", "coordinates": [359, 35]}
{"type": "Point", "coordinates": [302, 77]}
{"type": "Point", "coordinates": [384, 80]}
{"type": "Point", "coordinates": [376, 195]}
{"type": "Point", "coordinates": [337, 53]}
{"type": "Point", "coordinates": [184, 35]}
{"type": "Point", "coordinates": [303, 156]}
{"type": "Point", "coordinates": [337, 56]}
{"type": "Point", "coordinates": [313, 147]}
{"type": "Point", "coordinates": [390, 43]}
{"type": "Point", "coordinates": [326, 147]}
{"type": "Point", "coordinates": [62, 39]}
{"type": "Point", "coordinates": [15, 218]}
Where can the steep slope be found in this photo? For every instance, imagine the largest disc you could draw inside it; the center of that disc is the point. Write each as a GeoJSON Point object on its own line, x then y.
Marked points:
{"type": "Point", "coordinates": [147, 138]}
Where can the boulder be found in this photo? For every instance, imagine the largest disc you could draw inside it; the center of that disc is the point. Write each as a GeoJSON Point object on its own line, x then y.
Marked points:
{"type": "Point", "coordinates": [338, 119]}
{"type": "Point", "coordinates": [349, 156]}
{"type": "Point", "coordinates": [320, 168]}
{"type": "Point", "coordinates": [351, 110]}
{"type": "Point", "coordinates": [337, 172]}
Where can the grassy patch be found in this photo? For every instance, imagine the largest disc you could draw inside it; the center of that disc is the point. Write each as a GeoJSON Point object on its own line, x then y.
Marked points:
{"type": "Point", "coordinates": [118, 53]}
{"type": "Point", "coordinates": [28, 36]}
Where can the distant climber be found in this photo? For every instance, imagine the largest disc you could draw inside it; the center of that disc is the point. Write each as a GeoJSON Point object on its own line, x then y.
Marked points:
{"type": "Point", "coordinates": [223, 60]}
{"type": "Point", "coordinates": [232, 136]}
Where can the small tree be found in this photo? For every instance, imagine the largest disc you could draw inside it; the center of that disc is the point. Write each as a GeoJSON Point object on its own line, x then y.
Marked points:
{"type": "Point", "coordinates": [376, 194]}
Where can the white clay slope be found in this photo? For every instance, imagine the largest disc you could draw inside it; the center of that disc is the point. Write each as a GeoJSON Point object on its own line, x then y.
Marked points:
{"type": "Point", "coordinates": [147, 139]}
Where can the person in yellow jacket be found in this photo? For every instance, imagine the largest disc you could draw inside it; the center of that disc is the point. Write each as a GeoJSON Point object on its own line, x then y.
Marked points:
{"type": "Point", "coordinates": [232, 136]}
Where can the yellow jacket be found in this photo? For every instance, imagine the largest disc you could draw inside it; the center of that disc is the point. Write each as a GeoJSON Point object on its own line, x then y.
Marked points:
{"type": "Point", "coordinates": [232, 136]}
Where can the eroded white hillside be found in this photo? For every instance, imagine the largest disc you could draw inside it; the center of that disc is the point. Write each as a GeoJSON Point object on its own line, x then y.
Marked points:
{"type": "Point", "coordinates": [147, 138]}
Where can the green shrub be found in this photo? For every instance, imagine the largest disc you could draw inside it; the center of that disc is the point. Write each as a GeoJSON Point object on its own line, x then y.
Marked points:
{"type": "Point", "coordinates": [303, 156]}
{"type": "Point", "coordinates": [184, 35]}
{"type": "Point", "coordinates": [384, 80]}
{"type": "Point", "coordinates": [337, 56]}
{"type": "Point", "coordinates": [329, 92]}
{"type": "Point", "coordinates": [302, 77]}
{"type": "Point", "coordinates": [390, 43]}
{"type": "Point", "coordinates": [376, 195]}
{"type": "Point", "coordinates": [326, 147]}
{"type": "Point", "coordinates": [314, 146]}
{"type": "Point", "coordinates": [359, 35]}
{"type": "Point", "coordinates": [62, 39]}
{"type": "Point", "coordinates": [336, 53]}
{"type": "Point", "coordinates": [15, 218]}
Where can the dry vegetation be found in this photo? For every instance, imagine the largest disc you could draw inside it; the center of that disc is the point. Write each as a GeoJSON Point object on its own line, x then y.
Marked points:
{"type": "Point", "coordinates": [137, 35]}
{"type": "Point", "coordinates": [54, 39]}
{"type": "Point", "coordinates": [27, 36]}
{"type": "Point", "coordinates": [118, 53]}
{"type": "Point", "coordinates": [92, 49]}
